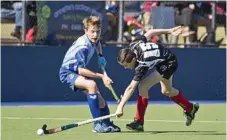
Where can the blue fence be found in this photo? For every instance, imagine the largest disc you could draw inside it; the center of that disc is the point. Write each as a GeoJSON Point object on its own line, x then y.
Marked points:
{"type": "Point", "coordinates": [31, 74]}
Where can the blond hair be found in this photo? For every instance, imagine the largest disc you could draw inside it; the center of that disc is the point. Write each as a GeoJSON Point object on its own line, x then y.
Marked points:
{"type": "Point", "coordinates": [92, 20]}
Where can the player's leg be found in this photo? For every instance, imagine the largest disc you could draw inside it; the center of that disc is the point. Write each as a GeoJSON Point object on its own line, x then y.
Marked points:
{"type": "Point", "coordinates": [105, 111]}
{"type": "Point", "coordinates": [176, 96]}
{"type": "Point", "coordinates": [89, 87]}
{"type": "Point", "coordinates": [95, 101]}
{"type": "Point", "coordinates": [152, 78]}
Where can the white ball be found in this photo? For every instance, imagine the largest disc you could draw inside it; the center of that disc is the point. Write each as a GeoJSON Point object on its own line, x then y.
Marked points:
{"type": "Point", "coordinates": [40, 132]}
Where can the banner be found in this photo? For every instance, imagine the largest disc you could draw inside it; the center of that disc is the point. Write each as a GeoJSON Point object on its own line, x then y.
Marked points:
{"type": "Point", "coordinates": [60, 22]}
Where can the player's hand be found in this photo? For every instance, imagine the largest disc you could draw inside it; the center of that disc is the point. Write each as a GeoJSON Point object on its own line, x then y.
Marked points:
{"type": "Point", "coordinates": [176, 30]}
{"type": "Point", "coordinates": [106, 80]}
{"type": "Point", "coordinates": [102, 61]}
{"type": "Point", "coordinates": [119, 112]}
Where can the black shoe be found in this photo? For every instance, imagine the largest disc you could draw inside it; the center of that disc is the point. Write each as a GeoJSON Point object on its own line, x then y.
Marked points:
{"type": "Point", "coordinates": [114, 128]}
{"type": "Point", "coordinates": [190, 116]}
{"type": "Point", "coordinates": [135, 126]}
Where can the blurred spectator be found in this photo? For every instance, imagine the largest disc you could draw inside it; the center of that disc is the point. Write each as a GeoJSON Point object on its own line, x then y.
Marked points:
{"type": "Point", "coordinates": [112, 15]}
{"type": "Point", "coordinates": [132, 28]}
{"type": "Point", "coordinates": [203, 17]}
{"type": "Point", "coordinates": [32, 32]}
{"type": "Point", "coordinates": [220, 13]}
{"type": "Point", "coordinates": [183, 16]}
{"type": "Point", "coordinates": [31, 11]}
{"type": "Point", "coordinates": [18, 19]}
{"type": "Point", "coordinates": [146, 16]}
{"type": "Point", "coordinates": [7, 11]}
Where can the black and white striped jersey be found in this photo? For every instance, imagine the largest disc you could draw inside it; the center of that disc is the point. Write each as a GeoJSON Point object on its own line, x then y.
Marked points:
{"type": "Point", "coordinates": [149, 55]}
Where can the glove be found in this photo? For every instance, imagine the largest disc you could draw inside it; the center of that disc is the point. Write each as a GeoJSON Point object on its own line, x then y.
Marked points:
{"type": "Point", "coordinates": [102, 61]}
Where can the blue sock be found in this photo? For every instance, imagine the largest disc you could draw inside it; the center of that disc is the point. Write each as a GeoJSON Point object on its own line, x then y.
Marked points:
{"type": "Point", "coordinates": [93, 102]}
{"type": "Point", "coordinates": [105, 111]}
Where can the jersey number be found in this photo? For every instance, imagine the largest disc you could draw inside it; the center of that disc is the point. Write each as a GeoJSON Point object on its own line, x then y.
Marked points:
{"type": "Point", "coordinates": [146, 48]}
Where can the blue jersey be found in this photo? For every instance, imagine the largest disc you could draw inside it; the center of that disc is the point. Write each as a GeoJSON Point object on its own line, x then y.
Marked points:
{"type": "Point", "coordinates": [79, 54]}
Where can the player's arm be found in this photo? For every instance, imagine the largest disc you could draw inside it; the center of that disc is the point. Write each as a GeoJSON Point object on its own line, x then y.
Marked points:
{"type": "Point", "coordinates": [153, 32]}
{"type": "Point", "coordinates": [139, 74]}
{"type": "Point", "coordinates": [140, 71]}
{"type": "Point", "coordinates": [128, 93]}
{"type": "Point", "coordinates": [80, 65]}
{"type": "Point", "coordinates": [88, 73]}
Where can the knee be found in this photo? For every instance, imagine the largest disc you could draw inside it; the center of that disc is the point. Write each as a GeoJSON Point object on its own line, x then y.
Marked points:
{"type": "Point", "coordinates": [92, 86]}
{"type": "Point", "coordinates": [166, 92]}
{"type": "Point", "coordinates": [143, 90]}
{"type": "Point", "coordinates": [142, 87]}
{"type": "Point", "coordinates": [170, 92]}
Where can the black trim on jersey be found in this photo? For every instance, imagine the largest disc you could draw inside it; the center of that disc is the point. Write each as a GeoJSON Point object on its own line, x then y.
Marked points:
{"type": "Point", "coordinates": [140, 72]}
{"type": "Point", "coordinates": [137, 40]}
{"type": "Point", "coordinates": [141, 37]}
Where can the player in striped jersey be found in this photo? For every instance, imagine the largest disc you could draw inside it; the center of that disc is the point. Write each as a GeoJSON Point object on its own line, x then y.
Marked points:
{"type": "Point", "coordinates": [73, 72]}
{"type": "Point", "coordinates": [152, 63]}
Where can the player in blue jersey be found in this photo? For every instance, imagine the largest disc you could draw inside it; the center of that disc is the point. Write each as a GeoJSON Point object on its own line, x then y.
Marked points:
{"type": "Point", "coordinates": [152, 63]}
{"type": "Point", "coordinates": [73, 72]}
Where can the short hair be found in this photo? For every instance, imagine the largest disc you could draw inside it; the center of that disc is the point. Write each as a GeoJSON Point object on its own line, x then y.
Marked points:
{"type": "Point", "coordinates": [92, 20]}
{"type": "Point", "coordinates": [125, 55]}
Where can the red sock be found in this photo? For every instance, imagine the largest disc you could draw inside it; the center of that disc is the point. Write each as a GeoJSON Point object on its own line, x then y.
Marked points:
{"type": "Point", "coordinates": [142, 103]}
{"type": "Point", "coordinates": [182, 101]}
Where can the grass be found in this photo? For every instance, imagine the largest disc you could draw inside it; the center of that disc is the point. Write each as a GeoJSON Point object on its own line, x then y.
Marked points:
{"type": "Point", "coordinates": [162, 122]}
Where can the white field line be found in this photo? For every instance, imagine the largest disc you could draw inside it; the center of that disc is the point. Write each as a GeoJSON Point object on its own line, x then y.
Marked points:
{"type": "Point", "coordinates": [120, 120]}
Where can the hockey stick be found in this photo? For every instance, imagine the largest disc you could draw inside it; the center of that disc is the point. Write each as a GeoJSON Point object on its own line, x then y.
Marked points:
{"type": "Point", "coordinates": [73, 125]}
{"type": "Point", "coordinates": [111, 88]}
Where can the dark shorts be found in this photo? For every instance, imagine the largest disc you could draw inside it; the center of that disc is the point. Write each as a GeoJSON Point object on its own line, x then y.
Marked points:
{"type": "Point", "coordinates": [168, 67]}
{"type": "Point", "coordinates": [68, 77]}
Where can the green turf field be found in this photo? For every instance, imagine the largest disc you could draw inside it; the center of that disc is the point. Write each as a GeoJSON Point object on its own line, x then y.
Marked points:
{"type": "Point", "coordinates": [163, 122]}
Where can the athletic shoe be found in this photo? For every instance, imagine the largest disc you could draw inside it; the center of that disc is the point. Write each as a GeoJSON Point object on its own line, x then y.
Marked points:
{"type": "Point", "coordinates": [190, 116]}
{"type": "Point", "coordinates": [100, 127]}
{"type": "Point", "coordinates": [135, 126]}
{"type": "Point", "coordinates": [114, 128]}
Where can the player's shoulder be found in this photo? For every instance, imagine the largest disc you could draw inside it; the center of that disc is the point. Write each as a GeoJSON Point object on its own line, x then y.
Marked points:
{"type": "Point", "coordinates": [140, 38]}
{"type": "Point", "coordinates": [137, 41]}
{"type": "Point", "coordinates": [81, 41]}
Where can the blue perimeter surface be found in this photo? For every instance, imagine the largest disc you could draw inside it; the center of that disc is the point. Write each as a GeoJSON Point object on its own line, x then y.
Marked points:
{"type": "Point", "coordinates": [85, 103]}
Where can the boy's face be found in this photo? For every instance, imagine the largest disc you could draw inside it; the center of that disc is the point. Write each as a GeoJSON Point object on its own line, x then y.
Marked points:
{"type": "Point", "coordinates": [93, 32]}
{"type": "Point", "coordinates": [130, 65]}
